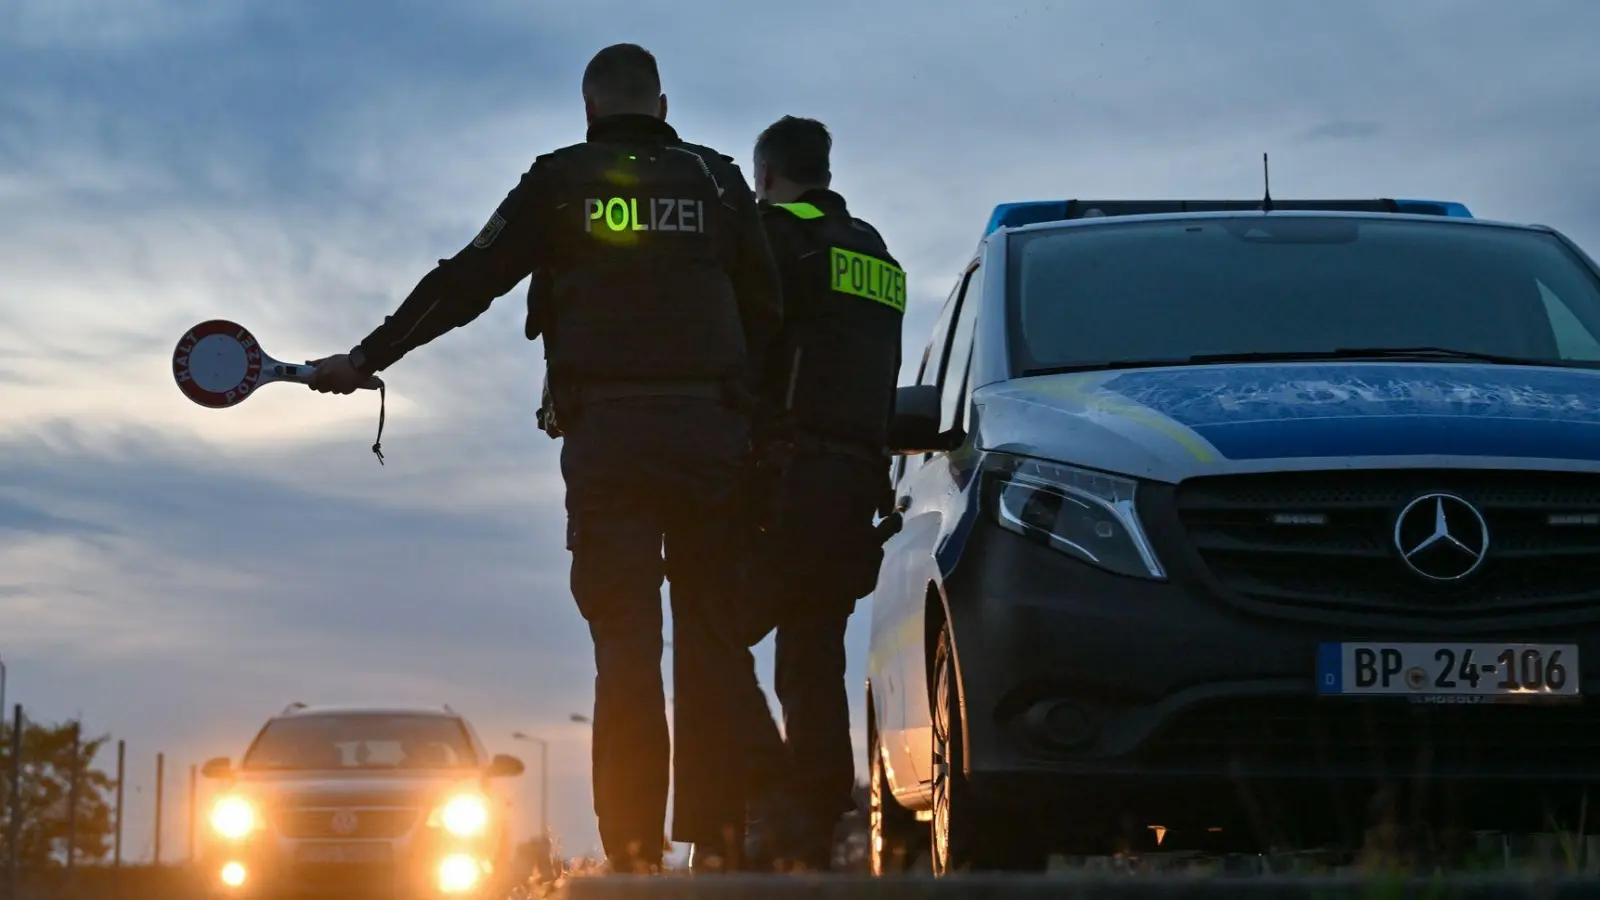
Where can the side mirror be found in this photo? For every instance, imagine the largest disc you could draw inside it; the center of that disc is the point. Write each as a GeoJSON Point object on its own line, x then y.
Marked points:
{"type": "Point", "coordinates": [915, 426]}
{"type": "Point", "coordinates": [503, 766]}
{"type": "Point", "coordinates": [217, 767]}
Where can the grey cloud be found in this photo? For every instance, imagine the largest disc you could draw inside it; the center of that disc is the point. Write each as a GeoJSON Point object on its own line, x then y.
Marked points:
{"type": "Point", "coordinates": [1342, 131]}
{"type": "Point", "coordinates": [450, 586]}
{"type": "Point", "coordinates": [18, 516]}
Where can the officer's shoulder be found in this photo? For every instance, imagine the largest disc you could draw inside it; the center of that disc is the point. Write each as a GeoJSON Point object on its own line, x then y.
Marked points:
{"type": "Point", "coordinates": [548, 165]}
{"type": "Point", "coordinates": [779, 221]}
{"type": "Point", "coordinates": [866, 226]}
{"type": "Point", "coordinates": [560, 154]}
{"type": "Point", "coordinates": [870, 229]}
{"type": "Point", "coordinates": [711, 155]}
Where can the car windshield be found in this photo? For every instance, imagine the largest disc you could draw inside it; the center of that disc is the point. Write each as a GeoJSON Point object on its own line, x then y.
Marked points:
{"type": "Point", "coordinates": [1170, 290]}
{"type": "Point", "coordinates": [361, 741]}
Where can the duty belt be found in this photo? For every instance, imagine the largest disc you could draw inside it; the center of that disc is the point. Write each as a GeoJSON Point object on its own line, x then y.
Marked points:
{"type": "Point", "coordinates": [601, 391]}
{"type": "Point", "coordinates": [820, 446]}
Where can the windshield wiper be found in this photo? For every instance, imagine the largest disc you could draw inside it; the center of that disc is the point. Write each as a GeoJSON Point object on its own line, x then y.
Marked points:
{"type": "Point", "coordinates": [1106, 365]}
{"type": "Point", "coordinates": [1391, 353]}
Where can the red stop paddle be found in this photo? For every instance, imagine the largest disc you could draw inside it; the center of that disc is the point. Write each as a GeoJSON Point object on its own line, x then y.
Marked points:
{"type": "Point", "coordinates": [219, 364]}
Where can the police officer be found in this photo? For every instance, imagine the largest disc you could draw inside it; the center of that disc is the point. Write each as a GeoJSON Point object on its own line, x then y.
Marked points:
{"type": "Point", "coordinates": [663, 298]}
{"type": "Point", "coordinates": [828, 394]}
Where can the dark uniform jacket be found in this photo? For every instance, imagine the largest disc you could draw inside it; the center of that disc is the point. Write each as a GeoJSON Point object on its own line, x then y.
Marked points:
{"type": "Point", "coordinates": [650, 249]}
{"type": "Point", "coordinates": [832, 374]}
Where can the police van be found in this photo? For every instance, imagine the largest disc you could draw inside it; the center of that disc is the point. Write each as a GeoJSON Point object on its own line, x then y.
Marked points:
{"type": "Point", "coordinates": [1226, 521]}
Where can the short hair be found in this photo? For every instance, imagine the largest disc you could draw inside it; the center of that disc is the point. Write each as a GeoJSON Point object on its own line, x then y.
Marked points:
{"type": "Point", "coordinates": [622, 75]}
{"type": "Point", "coordinates": [796, 149]}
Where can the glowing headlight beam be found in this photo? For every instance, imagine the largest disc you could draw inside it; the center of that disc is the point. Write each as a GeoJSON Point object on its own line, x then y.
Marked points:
{"type": "Point", "coordinates": [458, 873]}
{"type": "Point", "coordinates": [465, 815]}
{"type": "Point", "coordinates": [233, 874]}
{"type": "Point", "coordinates": [233, 818]}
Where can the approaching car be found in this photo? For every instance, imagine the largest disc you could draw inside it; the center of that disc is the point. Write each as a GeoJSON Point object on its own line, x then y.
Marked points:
{"type": "Point", "coordinates": [1220, 520]}
{"type": "Point", "coordinates": [398, 803]}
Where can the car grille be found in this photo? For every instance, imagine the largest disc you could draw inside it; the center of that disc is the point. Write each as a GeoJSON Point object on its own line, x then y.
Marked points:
{"type": "Point", "coordinates": [1388, 737]}
{"type": "Point", "coordinates": [319, 823]}
{"type": "Point", "coordinates": [342, 882]}
{"type": "Point", "coordinates": [1326, 539]}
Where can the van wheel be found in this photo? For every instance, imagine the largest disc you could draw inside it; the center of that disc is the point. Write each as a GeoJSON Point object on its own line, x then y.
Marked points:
{"type": "Point", "coordinates": [894, 835]}
{"type": "Point", "coordinates": [964, 835]}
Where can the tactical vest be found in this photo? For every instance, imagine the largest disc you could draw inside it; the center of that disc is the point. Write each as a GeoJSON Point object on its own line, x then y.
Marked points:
{"type": "Point", "coordinates": [839, 356]}
{"type": "Point", "coordinates": [639, 290]}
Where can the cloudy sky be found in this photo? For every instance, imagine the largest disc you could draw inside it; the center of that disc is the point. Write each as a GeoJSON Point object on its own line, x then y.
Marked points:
{"type": "Point", "coordinates": [176, 574]}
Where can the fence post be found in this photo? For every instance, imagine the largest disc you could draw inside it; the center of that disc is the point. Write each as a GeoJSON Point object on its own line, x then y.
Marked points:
{"type": "Point", "coordinates": [14, 822]}
{"type": "Point", "coordinates": [161, 780]}
{"type": "Point", "coordinates": [122, 771]}
{"type": "Point", "coordinates": [194, 804]}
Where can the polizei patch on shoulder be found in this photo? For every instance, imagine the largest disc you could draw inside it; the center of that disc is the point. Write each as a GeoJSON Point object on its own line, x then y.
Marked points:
{"type": "Point", "coordinates": [490, 231]}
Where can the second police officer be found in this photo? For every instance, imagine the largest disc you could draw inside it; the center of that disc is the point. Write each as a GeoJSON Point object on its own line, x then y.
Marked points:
{"type": "Point", "coordinates": [828, 394]}
{"type": "Point", "coordinates": [660, 298]}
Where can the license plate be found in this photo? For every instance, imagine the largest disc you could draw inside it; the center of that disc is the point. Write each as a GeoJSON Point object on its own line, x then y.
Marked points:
{"type": "Point", "coordinates": [343, 853]}
{"type": "Point", "coordinates": [1482, 671]}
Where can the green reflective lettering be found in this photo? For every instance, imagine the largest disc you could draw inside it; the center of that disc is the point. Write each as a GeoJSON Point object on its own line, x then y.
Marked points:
{"type": "Point", "coordinates": [628, 214]}
{"type": "Point", "coordinates": [613, 206]}
{"type": "Point", "coordinates": [868, 277]}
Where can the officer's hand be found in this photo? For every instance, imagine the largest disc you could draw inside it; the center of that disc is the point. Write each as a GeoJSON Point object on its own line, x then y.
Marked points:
{"type": "Point", "coordinates": [335, 375]}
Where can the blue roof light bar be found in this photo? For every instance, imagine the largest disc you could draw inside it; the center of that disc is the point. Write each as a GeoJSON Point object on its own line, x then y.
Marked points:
{"type": "Point", "coordinates": [1015, 215]}
{"type": "Point", "coordinates": [1433, 207]}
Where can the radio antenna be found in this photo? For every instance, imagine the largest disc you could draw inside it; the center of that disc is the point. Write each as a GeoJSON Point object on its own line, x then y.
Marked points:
{"type": "Point", "coordinates": [1266, 182]}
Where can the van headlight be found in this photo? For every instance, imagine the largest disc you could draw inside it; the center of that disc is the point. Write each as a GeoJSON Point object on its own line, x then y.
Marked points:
{"type": "Point", "coordinates": [463, 815]}
{"type": "Point", "coordinates": [1085, 514]}
{"type": "Point", "coordinates": [233, 817]}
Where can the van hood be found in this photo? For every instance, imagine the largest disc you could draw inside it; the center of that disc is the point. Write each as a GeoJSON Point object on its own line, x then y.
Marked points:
{"type": "Point", "coordinates": [1169, 424]}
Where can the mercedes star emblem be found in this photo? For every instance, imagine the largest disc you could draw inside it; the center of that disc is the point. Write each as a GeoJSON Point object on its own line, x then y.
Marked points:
{"type": "Point", "coordinates": [344, 822]}
{"type": "Point", "coordinates": [1441, 537]}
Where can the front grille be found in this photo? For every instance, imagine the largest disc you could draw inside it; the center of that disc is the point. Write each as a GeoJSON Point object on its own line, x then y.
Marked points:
{"type": "Point", "coordinates": [349, 798]}
{"type": "Point", "coordinates": [1380, 737]}
{"type": "Point", "coordinates": [315, 823]}
{"type": "Point", "coordinates": [1326, 539]}
{"type": "Point", "coordinates": [341, 882]}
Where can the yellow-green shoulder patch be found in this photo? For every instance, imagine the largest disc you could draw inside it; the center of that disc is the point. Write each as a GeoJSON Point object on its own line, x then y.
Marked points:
{"type": "Point", "coordinates": [800, 210]}
{"type": "Point", "coordinates": [867, 276]}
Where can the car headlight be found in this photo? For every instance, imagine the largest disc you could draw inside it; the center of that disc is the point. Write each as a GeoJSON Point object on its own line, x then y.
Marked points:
{"type": "Point", "coordinates": [1089, 515]}
{"type": "Point", "coordinates": [233, 818]}
{"type": "Point", "coordinates": [463, 815]}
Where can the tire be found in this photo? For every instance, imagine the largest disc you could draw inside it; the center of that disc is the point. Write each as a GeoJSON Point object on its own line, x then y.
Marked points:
{"type": "Point", "coordinates": [894, 838]}
{"type": "Point", "coordinates": [965, 836]}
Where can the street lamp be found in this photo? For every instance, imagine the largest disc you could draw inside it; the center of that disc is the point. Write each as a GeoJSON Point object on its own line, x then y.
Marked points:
{"type": "Point", "coordinates": [581, 719]}
{"type": "Point", "coordinates": [544, 780]}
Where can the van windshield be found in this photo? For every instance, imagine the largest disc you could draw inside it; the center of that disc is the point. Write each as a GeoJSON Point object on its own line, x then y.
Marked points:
{"type": "Point", "coordinates": [1170, 290]}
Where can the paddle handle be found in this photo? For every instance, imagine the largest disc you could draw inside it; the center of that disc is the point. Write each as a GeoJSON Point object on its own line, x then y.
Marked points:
{"type": "Point", "coordinates": [302, 375]}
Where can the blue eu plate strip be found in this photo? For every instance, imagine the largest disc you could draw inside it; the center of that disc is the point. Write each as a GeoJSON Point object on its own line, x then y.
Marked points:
{"type": "Point", "coordinates": [1330, 668]}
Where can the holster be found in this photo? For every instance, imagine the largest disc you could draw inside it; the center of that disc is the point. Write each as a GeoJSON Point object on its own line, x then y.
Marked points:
{"type": "Point", "coordinates": [545, 417]}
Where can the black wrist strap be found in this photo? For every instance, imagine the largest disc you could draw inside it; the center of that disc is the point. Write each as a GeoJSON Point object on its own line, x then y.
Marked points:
{"type": "Point", "coordinates": [383, 403]}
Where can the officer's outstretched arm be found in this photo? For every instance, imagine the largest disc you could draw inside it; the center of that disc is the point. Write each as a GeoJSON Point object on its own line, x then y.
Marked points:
{"type": "Point", "coordinates": [461, 288]}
